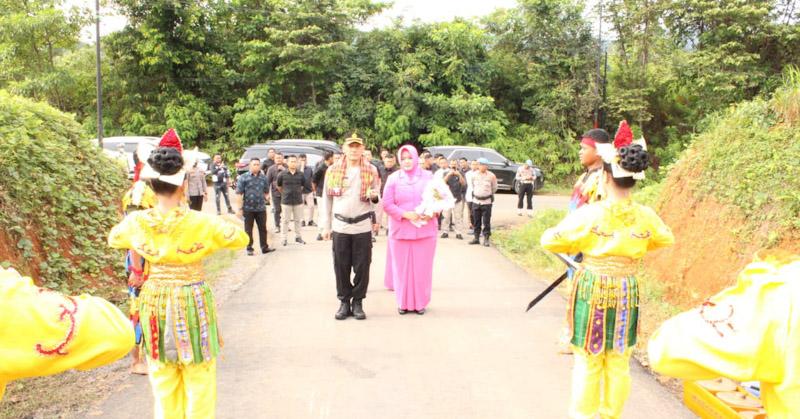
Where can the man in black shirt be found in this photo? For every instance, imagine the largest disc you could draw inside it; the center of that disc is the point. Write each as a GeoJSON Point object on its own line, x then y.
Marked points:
{"type": "Point", "coordinates": [269, 161]}
{"type": "Point", "coordinates": [274, 193]}
{"type": "Point", "coordinates": [318, 180]}
{"type": "Point", "coordinates": [455, 216]}
{"type": "Point", "coordinates": [254, 188]}
{"type": "Point", "coordinates": [221, 178]}
{"type": "Point", "coordinates": [291, 183]}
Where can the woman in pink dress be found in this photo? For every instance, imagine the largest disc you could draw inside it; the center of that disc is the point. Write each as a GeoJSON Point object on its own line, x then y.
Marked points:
{"type": "Point", "coordinates": [409, 256]}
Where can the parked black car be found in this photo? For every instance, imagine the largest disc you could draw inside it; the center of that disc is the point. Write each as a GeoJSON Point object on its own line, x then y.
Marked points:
{"type": "Point", "coordinates": [323, 145]}
{"type": "Point", "coordinates": [313, 155]}
{"type": "Point", "coordinates": [503, 168]}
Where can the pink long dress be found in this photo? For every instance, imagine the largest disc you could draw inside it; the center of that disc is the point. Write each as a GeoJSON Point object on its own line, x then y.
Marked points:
{"type": "Point", "coordinates": [409, 256]}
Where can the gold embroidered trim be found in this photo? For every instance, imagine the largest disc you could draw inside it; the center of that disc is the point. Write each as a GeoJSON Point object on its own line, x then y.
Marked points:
{"type": "Point", "coordinates": [194, 249]}
{"type": "Point", "coordinates": [611, 265]}
{"type": "Point", "coordinates": [176, 274]}
{"type": "Point", "coordinates": [596, 230]}
{"type": "Point", "coordinates": [145, 249]}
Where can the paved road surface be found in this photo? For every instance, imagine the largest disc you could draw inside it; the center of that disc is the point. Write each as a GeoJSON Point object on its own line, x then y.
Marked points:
{"type": "Point", "coordinates": [475, 354]}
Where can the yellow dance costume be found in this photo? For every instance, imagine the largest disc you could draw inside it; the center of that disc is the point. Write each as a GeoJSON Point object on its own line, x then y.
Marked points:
{"type": "Point", "coordinates": [176, 307]}
{"type": "Point", "coordinates": [604, 303]}
{"type": "Point", "coordinates": [750, 331]}
{"type": "Point", "coordinates": [43, 332]}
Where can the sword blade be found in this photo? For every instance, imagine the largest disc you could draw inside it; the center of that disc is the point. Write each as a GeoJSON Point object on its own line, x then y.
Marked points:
{"type": "Point", "coordinates": [547, 290]}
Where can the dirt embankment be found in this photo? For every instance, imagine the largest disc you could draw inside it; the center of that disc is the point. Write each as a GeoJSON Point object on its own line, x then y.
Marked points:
{"type": "Point", "coordinates": [711, 244]}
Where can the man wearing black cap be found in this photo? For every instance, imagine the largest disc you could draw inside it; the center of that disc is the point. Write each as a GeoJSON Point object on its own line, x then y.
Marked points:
{"type": "Point", "coordinates": [351, 188]}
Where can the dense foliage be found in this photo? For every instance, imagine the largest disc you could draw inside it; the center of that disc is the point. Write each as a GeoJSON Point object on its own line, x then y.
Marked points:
{"type": "Point", "coordinates": [748, 157]}
{"type": "Point", "coordinates": [230, 73]}
{"type": "Point", "coordinates": [58, 198]}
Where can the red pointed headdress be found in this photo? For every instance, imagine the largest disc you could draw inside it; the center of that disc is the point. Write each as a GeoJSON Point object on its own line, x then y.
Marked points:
{"type": "Point", "coordinates": [624, 135]}
{"type": "Point", "coordinates": [171, 139]}
{"type": "Point", "coordinates": [137, 170]}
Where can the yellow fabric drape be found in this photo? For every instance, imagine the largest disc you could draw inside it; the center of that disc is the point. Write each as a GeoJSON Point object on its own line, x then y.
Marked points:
{"type": "Point", "coordinates": [44, 332]}
{"type": "Point", "coordinates": [750, 331]}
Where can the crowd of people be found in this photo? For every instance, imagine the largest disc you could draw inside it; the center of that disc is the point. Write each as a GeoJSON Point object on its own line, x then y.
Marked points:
{"type": "Point", "coordinates": [746, 332]}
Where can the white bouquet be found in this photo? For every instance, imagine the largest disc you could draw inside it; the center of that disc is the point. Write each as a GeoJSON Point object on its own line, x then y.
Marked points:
{"type": "Point", "coordinates": [436, 198]}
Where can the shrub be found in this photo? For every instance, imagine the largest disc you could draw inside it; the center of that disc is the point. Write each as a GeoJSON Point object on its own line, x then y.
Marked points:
{"type": "Point", "coordinates": [58, 198]}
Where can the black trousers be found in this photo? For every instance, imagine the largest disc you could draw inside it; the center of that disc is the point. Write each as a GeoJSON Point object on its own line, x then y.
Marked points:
{"type": "Point", "coordinates": [525, 191]}
{"type": "Point", "coordinates": [470, 207]}
{"type": "Point", "coordinates": [260, 217]}
{"type": "Point", "coordinates": [276, 210]}
{"type": "Point", "coordinates": [352, 252]}
{"type": "Point", "coordinates": [196, 202]}
{"type": "Point", "coordinates": [222, 190]}
{"type": "Point", "coordinates": [483, 219]}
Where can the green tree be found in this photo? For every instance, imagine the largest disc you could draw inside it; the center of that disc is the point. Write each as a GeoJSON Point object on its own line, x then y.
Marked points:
{"type": "Point", "coordinates": [34, 34]}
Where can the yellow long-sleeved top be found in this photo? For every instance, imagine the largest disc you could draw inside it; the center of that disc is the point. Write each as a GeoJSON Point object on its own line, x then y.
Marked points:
{"type": "Point", "coordinates": [605, 228]}
{"type": "Point", "coordinates": [180, 237]}
{"type": "Point", "coordinates": [750, 331]}
{"type": "Point", "coordinates": [44, 332]}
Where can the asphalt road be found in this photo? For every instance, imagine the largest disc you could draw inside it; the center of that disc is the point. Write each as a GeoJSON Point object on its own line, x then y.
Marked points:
{"type": "Point", "coordinates": [474, 354]}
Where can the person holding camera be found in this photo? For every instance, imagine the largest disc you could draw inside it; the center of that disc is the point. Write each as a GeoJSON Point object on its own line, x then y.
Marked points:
{"type": "Point", "coordinates": [455, 216]}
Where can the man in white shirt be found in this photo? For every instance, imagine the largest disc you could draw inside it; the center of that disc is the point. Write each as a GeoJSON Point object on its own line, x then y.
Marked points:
{"type": "Point", "coordinates": [352, 187]}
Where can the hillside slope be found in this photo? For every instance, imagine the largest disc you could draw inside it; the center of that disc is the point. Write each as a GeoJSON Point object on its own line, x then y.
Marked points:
{"type": "Point", "coordinates": [59, 197]}
{"type": "Point", "coordinates": [734, 191]}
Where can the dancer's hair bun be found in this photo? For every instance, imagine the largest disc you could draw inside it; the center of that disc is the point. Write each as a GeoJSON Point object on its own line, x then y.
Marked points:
{"type": "Point", "coordinates": [634, 158]}
{"type": "Point", "coordinates": [165, 160]}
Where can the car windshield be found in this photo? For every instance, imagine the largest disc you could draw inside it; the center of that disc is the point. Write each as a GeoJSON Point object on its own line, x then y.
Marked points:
{"type": "Point", "coordinates": [116, 146]}
{"type": "Point", "coordinates": [494, 157]}
{"type": "Point", "coordinates": [255, 152]}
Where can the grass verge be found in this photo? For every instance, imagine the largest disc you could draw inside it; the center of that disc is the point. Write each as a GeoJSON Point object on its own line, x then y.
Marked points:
{"type": "Point", "coordinates": [554, 189]}
{"type": "Point", "coordinates": [69, 393]}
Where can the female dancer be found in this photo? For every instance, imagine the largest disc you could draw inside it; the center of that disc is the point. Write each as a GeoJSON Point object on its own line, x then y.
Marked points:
{"type": "Point", "coordinates": [613, 235]}
{"type": "Point", "coordinates": [176, 306]}
{"type": "Point", "coordinates": [409, 256]}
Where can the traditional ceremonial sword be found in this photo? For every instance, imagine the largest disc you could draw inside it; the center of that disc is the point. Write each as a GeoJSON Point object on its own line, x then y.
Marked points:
{"type": "Point", "coordinates": [570, 263]}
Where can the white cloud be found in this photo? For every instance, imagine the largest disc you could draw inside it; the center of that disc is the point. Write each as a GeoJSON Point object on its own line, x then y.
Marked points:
{"type": "Point", "coordinates": [436, 11]}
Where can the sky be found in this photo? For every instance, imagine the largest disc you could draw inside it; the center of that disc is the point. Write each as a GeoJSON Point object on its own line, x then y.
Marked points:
{"type": "Point", "coordinates": [436, 10]}
{"type": "Point", "coordinates": [411, 10]}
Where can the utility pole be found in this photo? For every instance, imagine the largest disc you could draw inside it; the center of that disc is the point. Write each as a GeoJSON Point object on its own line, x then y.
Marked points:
{"type": "Point", "coordinates": [597, 110]}
{"type": "Point", "coordinates": [605, 83]}
{"type": "Point", "coordinates": [99, 76]}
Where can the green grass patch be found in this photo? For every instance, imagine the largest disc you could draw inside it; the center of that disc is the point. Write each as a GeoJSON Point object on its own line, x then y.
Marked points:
{"type": "Point", "coordinates": [554, 189]}
{"type": "Point", "coordinates": [649, 194]}
{"type": "Point", "coordinates": [521, 244]}
{"type": "Point", "coordinates": [217, 263]}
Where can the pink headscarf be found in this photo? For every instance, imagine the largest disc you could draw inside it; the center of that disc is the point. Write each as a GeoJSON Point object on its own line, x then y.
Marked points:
{"type": "Point", "coordinates": [415, 172]}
